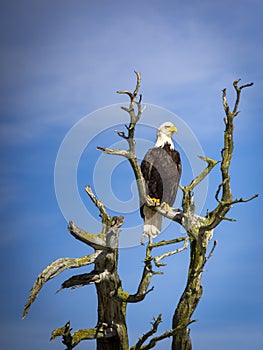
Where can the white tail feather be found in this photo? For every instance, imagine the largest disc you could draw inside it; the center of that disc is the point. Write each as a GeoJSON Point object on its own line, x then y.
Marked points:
{"type": "Point", "coordinates": [152, 222]}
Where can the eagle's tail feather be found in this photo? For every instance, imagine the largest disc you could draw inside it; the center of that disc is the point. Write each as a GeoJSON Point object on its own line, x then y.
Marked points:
{"type": "Point", "coordinates": [152, 222]}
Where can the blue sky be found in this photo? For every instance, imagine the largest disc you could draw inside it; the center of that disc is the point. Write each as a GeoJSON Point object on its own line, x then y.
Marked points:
{"type": "Point", "coordinates": [64, 60]}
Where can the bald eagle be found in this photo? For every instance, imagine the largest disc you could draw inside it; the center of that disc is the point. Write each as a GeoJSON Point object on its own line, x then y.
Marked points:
{"type": "Point", "coordinates": [161, 169]}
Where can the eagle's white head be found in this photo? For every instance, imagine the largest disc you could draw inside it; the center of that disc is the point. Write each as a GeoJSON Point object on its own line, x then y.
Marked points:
{"type": "Point", "coordinates": [164, 135]}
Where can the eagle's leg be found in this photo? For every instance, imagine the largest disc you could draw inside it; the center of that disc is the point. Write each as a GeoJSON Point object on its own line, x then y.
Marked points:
{"type": "Point", "coordinates": [166, 207]}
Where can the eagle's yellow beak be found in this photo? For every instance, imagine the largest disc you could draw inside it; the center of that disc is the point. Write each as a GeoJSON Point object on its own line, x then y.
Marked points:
{"type": "Point", "coordinates": [173, 128]}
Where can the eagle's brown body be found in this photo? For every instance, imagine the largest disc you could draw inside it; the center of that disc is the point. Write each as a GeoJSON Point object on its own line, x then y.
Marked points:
{"type": "Point", "coordinates": [161, 169]}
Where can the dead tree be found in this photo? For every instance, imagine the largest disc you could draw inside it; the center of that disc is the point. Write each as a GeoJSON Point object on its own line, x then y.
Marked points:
{"type": "Point", "coordinates": [110, 330]}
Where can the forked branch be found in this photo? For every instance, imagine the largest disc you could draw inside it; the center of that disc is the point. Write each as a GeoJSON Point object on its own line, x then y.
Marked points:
{"type": "Point", "coordinates": [133, 94]}
{"type": "Point", "coordinates": [142, 340]}
{"type": "Point", "coordinates": [226, 201]}
{"type": "Point", "coordinates": [54, 269]}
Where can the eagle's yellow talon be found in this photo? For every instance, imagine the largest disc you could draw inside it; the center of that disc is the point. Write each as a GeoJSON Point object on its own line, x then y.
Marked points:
{"type": "Point", "coordinates": [156, 201]}
{"type": "Point", "coordinates": [166, 207]}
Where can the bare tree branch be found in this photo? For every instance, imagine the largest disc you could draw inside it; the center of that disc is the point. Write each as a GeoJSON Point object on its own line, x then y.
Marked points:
{"type": "Point", "coordinates": [96, 241]}
{"type": "Point", "coordinates": [117, 152]}
{"type": "Point", "coordinates": [188, 201]}
{"type": "Point", "coordinates": [83, 280]}
{"type": "Point", "coordinates": [211, 163]}
{"type": "Point", "coordinates": [211, 252]}
{"type": "Point", "coordinates": [241, 200]}
{"type": "Point", "coordinates": [147, 335]}
{"type": "Point", "coordinates": [173, 252]}
{"type": "Point", "coordinates": [54, 269]}
{"type": "Point", "coordinates": [238, 93]}
{"type": "Point", "coordinates": [72, 340]}
{"type": "Point", "coordinates": [142, 290]}
{"type": "Point", "coordinates": [224, 204]}
{"type": "Point", "coordinates": [64, 332]}
{"type": "Point", "coordinates": [103, 213]}
{"type": "Point", "coordinates": [158, 338]}
{"type": "Point", "coordinates": [133, 94]}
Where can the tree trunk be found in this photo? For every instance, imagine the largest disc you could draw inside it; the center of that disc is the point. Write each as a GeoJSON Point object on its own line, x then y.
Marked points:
{"type": "Point", "coordinates": [111, 311]}
{"type": "Point", "coordinates": [190, 297]}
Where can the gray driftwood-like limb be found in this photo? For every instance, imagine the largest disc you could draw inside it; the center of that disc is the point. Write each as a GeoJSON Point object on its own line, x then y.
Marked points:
{"type": "Point", "coordinates": [157, 259]}
{"type": "Point", "coordinates": [83, 280]}
{"type": "Point", "coordinates": [133, 94]}
{"type": "Point", "coordinates": [96, 241]}
{"type": "Point", "coordinates": [105, 217]}
{"type": "Point", "coordinates": [116, 152]}
{"type": "Point", "coordinates": [54, 269]}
